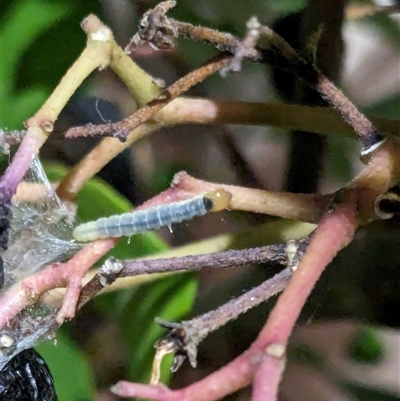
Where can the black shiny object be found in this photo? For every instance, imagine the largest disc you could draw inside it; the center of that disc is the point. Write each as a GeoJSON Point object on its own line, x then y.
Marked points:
{"type": "Point", "coordinates": [27, 378]}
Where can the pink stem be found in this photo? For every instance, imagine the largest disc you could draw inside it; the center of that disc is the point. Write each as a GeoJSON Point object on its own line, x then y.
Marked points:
{"type": "Point", "coordinates": [334, 232]}
{"type": "Point", "coordinates": [21, 162]}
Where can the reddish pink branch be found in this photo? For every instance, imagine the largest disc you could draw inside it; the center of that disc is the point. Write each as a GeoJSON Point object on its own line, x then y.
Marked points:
{"type": "Point", "coordinates": [334, 232]}
{"type": "Point", "coordinates": [76, 268]}
{"type": "Point", "coordinates": [58, 275]}
{"type": "Point", "coordinates": [234, 376]}
{"type": "Point", "coordinates": [21, 161]}
{"type": "Point", "coordinates": [27, 292]}
{"type": "Point", "coordinates": [265, 358]}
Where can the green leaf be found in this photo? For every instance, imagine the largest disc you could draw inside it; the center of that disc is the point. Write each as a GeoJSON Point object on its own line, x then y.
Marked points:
{"type": "Point", "coordinates": [23, 21]}
{"type": "Point", "coordinates": [22, 106]}
{"type": "Point", "coordinates": [26, 20]}
{"type": "Point", "coordinates": [54, 50]}
{"type": "Point", "coordinates": [71, 370]}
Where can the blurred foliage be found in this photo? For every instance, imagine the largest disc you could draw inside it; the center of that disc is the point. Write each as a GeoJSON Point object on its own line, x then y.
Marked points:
{"type": "Point", "coordinates": [20, 25]}
{"type": "Point", "coordinates": [389, 107]}
{"type": "Point", "coordinates": [39, 40]}
{"type": "Point", "coordinates": [366, 346]}
{"type": "Point", "coordinates": [368, 394]}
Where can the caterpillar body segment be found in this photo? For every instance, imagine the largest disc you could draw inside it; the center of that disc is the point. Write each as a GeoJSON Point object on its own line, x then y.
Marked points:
{"type": "Point", "coordinates": [150, 219]}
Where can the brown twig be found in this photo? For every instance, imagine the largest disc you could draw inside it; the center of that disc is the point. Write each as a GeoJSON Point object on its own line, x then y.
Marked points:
{"type": "Point", "coordinates": [185, 336]}
{"type": "Point", "coordinates": [123, 128]}
{"type": "Point", "coordinates": [273, 232]}
{"type": "Point", "coordinates": [160, 31]}
{"type": "Point", "coordinates": [113, 268]}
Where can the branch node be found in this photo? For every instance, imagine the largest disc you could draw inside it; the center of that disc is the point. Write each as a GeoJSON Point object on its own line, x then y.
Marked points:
{"type": "Point", "coordinates": [178, 178]}
{"type": "Point", "coordinates": [155, 28]}
{"type": "Point", "coordinates": [276, 350]}
{"type": "Point", "coordinates": [109, 271]}
{"type": "Point", "coordinates": [47, 126]}
{"type": "Point", "coordinates": [246, 48]}
{"type": "Point", "coordinates": [181, 340]}
{"type": "Point", "coordinates": [6, 341]}
{"type": "Point", "coordinates": [295, 250]}
{"type": "Point", "coordinates": [103, 34]}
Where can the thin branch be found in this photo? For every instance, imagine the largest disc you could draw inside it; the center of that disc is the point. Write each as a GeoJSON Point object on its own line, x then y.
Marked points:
{"type": "Point", "coordinates": [113, 268]}
{"type": "Point", "coordinates": [185, 337]}
{"type": "Point", "coordinates": [123, 128]}
{"type": "Point", "coordinates": [96, 159]}
{"type": "Point", "coordinates": [320, 120]}
{"type": "Point", "coordinates": [160, 31]}
{"type": "Point", "coordinates": [274, 232]}
{"type": "Point", "coordinates": [334, 232]}
{"type": "Point", "coordinates": [302, 207]}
